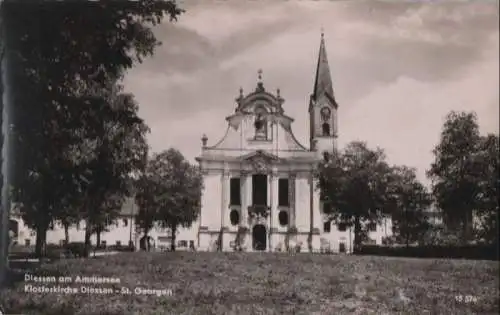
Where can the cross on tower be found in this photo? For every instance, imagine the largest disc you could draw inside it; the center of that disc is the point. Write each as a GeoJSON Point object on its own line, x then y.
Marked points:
{"type": "Point", "coordinates": [260, 74]}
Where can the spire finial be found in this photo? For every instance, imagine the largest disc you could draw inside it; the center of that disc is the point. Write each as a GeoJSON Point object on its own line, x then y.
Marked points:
{"type": "Point", "coordinates": [322, 32]}
{"type": "Point", "coordinates": [204, 140]}
{"type": "Point", "coordinates": [241, 92]}
{"type": "Point", "coordinates": [260, 85]}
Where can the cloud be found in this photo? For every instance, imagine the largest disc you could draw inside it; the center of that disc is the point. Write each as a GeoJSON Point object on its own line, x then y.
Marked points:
{"type": "Point", "coordinates": [406, 117]}
{"type": "Point", "coordinates": [398, 68]}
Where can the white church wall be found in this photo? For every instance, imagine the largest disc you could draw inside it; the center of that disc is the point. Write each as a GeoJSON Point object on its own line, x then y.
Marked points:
{"type": "Point", "coordinates": [302, 204]}
{"type": "Point", "coordinates": [211, 202]}
{"type": "Point", "coordinates": [317, 216]}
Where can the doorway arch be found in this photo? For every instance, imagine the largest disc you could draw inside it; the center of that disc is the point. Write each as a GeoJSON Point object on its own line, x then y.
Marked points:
{"type": "Point", "coordinates": [259, 237]}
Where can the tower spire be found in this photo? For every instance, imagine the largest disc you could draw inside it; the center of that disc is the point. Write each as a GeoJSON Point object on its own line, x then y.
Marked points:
{"type": "Point", "coordinates": [323, 81]}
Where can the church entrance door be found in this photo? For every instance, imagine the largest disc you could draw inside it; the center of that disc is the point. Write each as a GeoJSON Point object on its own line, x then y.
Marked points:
{"type": "Point", "coordinates": [259, 236]}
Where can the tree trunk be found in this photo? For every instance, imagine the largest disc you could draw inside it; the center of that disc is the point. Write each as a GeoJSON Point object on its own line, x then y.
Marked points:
{"type": "Point", "coordinates": [357, 233]}
{"type": "Point", "coordinates": [173, 230]}
{"type": "Point", "coordinates": [39, 243]}
{"type": "Point", "coordinates": [88, 234]}
{"type": "Point", "coordinates": [146, 238]}
{"type": "Point", "coordinates": [466, 227]}
{"type": "Point", "coordinates": [41, 237]}
{"type": "Point", "coordinates": [98, 238]}
{"type": "Point", "coordinates": [66, 233]}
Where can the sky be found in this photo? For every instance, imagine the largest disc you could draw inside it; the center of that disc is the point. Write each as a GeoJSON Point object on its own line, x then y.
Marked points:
{"type": "Point", "coordinates": [397, 69]}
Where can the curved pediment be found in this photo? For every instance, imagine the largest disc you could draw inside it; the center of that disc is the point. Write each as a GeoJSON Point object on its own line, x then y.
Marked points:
{"type": "Point", "coordinates": [259, 123]}
{"type": "Point", "coordinates": [269, 101]}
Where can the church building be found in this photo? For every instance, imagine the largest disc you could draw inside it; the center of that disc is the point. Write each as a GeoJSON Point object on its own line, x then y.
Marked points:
{"type": "Point", "coordinates": [260, 190]}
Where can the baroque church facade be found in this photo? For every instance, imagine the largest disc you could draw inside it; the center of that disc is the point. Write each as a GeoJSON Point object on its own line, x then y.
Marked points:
{"type": "Point", "coordinates": [260, 190]}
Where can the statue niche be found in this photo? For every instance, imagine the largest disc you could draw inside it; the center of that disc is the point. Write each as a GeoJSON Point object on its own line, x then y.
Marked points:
{"type": "Point", "coordinates": [260, 123]}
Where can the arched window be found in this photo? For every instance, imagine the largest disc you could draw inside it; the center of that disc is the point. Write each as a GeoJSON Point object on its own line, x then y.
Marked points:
{"type": "Point", "coordinates": [326, 129]}
{"type": "Point", "coordinates": [234, 217]}
{"type": "Point", "coordinates": [283, 218]}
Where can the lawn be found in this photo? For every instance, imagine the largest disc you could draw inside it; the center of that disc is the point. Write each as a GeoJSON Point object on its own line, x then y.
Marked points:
{"type": "Point", "coordinates": [249, 283]}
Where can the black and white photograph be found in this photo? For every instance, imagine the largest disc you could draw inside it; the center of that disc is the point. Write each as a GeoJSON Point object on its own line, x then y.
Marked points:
{"type": "Point", "coordinates": [249, 157]}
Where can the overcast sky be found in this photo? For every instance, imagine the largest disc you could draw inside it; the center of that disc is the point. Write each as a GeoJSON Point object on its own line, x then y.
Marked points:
{"type": "Point", "coordinates": [397, 69]}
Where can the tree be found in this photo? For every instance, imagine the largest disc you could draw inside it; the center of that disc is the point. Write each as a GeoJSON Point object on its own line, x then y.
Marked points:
{"type": "Point", "coordinates": [89, 41]}
{"type": "Point", "coordinates": [458, 171]}
{"type": "Point", "coordinates": [178, 191]}
{"type": "Point", "coordinates": [114, 149]}
{"type": "Point", "coordinates": [411, 201]}
{"type": "Point", "coordinates": [488, 207]}
{"type": "Point", "coordinates": [145, 198]}
{"type": "Point", "coordinates": [58, 49]}
{"type": "Point", "coordinates": [354, 185]}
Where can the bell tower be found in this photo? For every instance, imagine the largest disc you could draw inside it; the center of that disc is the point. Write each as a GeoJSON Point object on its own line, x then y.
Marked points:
{"type": "Point", "coordinates": [323, 107]}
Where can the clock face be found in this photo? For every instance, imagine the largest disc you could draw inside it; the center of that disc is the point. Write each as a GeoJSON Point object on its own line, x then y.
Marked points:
{"type": "Point", "coordinates": [325, 113]}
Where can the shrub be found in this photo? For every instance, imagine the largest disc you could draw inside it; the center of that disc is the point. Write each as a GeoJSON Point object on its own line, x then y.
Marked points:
{"type": "Point", "coordinates": [481, 252]}
{"type": "Point", "coordinates": [121, 248]}
{"type": "Point", "coordinates": [240, 238]}
{"type": "Point", "coordinates": [440, 235]}
{"type": "Point", "coordinates": [298, 247]}
{"type": "Point", "coordinates": [76, 249]}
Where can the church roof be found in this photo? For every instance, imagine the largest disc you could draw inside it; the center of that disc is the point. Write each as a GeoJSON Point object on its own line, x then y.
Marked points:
{"type": "Point", "coordinates": [323, 81]}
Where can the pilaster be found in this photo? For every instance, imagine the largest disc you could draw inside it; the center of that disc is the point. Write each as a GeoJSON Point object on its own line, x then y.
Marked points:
{"type": "Point", "coordinates": [246, 183]}
{"type": "Point", "coordinates": [316, 210]}
{"type": "Point", "coordinates": [273, 204]}
{"type": "Point", "coordinates": [224, 197]}
{"type": "Point", "coordinates": [292, 191]}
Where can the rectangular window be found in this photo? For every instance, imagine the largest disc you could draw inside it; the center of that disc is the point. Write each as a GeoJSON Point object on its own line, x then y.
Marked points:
{"type": "Point", "coordinates": [27, 242]}
{"type": "Point", "coordinates": [235, 193]}
{"type": "Point", "coordinates": [118, 243]}
{"type": "Point", "coordinates": [372, 227]}
{"type": "Point", "coordinates": [259, 189]}
{"type": "Point", "coordinates": [327, 226]}
{"type": "Point", "coordinates": [182, 243]}
{"type": "Point", "coordinates": [342, 227]}
{"type": "Point", "coordinates": [283, 192]}
{"type": "Point", "coordinates": [125, 222]}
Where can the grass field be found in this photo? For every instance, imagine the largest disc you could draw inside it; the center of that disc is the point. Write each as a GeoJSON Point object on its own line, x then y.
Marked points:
{"type": "Point", "coordinates": [249, 283]}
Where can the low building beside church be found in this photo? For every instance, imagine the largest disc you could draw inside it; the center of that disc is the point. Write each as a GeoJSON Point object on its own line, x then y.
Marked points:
{"type": "Point", "coordinates": [119, 233]}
